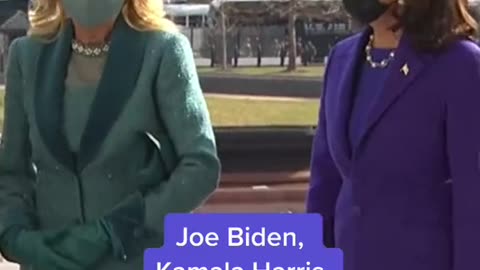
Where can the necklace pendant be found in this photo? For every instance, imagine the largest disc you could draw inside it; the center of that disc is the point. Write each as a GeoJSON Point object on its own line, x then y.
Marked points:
{"type": "Point", "coordinates": [405, 69]}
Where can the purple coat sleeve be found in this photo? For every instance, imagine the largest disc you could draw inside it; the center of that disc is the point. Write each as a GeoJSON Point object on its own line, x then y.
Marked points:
{"type": "Point", "coordinates": [463, 145]}
{"type": "Point", "coordinates": [325, 180]}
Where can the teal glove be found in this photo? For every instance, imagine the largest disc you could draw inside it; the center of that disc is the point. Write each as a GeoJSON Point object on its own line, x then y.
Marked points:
{"type": "Point", "coordinates": [30, 248]}
{"type": "Point", "coordinates": [85, 244]}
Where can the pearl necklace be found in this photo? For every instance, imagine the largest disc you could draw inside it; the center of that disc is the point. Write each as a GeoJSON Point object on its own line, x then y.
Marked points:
{"type": "Point", "coordinates": [90, 50]}
{"type": "Point", "coordinates": [382, 64]}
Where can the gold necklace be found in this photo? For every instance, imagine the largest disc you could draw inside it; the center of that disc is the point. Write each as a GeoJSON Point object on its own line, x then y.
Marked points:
{"type": "Point", "coordinates": [382, 64]}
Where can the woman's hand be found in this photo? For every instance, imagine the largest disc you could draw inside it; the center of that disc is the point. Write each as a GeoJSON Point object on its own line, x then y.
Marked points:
{"type": "Point", "coordinates": [85, 245]}
{"type": "Point", "coordinates": [30, 248]}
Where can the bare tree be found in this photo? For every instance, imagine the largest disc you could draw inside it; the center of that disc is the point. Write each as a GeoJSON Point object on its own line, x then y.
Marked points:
{"type": "Point", "coordinates": [223, 29]}
{"type": "Point", "coordinates": [227, 19]}
{"type": "Point", "coordinates": [292, 35]}
{"type": "Point", "coordinates": [295, 9]}
{"type": "Point", "coordinates": [232, 13]}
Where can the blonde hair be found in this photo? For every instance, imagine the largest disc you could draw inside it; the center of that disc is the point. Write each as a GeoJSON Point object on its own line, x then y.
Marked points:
{"type": "Point", "coordinates": [47, 17]}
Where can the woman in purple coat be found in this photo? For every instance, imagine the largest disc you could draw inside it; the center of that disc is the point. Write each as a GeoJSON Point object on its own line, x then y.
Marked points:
{"type": "Point", "coordinates": [396, 158]}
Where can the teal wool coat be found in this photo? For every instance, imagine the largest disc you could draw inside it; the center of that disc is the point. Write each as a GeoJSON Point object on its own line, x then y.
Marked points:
{"type": "Point", "coordinates": [148, 130]}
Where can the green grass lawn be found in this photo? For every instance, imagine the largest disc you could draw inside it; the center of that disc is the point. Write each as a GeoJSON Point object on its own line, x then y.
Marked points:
{"type": "Point", "coordinates": [240, 112]}
{"type": "Point", "coordinates": [245, 112]}
{"type": "Point", "coordinates": [301, 72]}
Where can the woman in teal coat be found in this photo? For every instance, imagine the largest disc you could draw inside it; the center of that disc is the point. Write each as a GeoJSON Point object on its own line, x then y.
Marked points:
{"type": "Point", "coordinates": [106, 132]}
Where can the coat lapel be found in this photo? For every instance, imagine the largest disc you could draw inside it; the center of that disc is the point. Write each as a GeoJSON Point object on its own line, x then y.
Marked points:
{"type": "Point", "coordinates": [118, 82]}
{"type": "Point", "coordinates": [48, 97]}
{"type": "Point", "coordinates": [346, 93]}
{"type": "Point", "coordinates": [405, 68]}
{"type": "Point", "coordinates": [114, 90]}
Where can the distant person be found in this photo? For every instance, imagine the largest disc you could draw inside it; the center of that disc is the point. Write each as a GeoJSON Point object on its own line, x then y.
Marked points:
{"type": "Point", "coordinates": [299, 46]}
{"type": "Point", "coordinates": [213, 55]}
{"type": "Point", "coordinates": [3, 58]}
{"type": "Point", "coordinates": [248, 47]}
{"type": "Point", "coordinates": [236, 54]}
{"type": "Point", "coordinates": [305, 54]}
{"type": "Point", "coordinates": [300, 49]}
{"type": "Point", "coordinates": [312, 52]}
{"type": "Point", "coordinates": [395, 160]}
{"type": "Point", "coordinates": [283, 53]}
{"type": "Point", "coordinates": [276, 48]}
{"type": "Point", "coordinates": [106, 132]}
{"type": "Point", "coordinates": [259, 52]}
{"type": "Point", "coordinates": [2, 63]}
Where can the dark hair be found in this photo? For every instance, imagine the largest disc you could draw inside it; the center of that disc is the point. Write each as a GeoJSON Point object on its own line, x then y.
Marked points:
{"type": "Point", "coordinates": [433, 24]}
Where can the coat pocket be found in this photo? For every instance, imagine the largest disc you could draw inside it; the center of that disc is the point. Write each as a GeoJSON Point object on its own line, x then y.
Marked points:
{"type": "Point", "coordinates": [167, 151]}
{"type": "Point", "coordinates": [154, 170]}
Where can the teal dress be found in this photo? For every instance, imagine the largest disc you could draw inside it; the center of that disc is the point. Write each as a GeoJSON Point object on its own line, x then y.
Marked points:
{"type": "Point", "coordinates": [80, 90]}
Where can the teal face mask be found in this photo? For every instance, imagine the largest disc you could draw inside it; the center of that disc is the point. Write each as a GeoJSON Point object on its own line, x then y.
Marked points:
{"type": "Point", "coordinates": [91, 13]}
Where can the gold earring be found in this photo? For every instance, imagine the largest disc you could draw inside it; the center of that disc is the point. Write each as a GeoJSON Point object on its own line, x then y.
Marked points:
{"type": "Point", "coordinates": [401, 2]}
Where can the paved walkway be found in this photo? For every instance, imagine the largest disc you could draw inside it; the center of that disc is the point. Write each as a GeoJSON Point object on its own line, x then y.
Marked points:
{"type": "Point", "coordinates": [262, 98]}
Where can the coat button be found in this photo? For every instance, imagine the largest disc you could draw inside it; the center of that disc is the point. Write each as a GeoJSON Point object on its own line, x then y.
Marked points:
{"type": "Point", "coordinates": [124, 258]}
{"type": "Point", "coordinates": [109, 176]}
{"type": "Point", "coordinates": [25, 196]}
{"type": "Point", "coordinates": [138, 233]}
{"type": "Point", "coordinates": [357, 211]}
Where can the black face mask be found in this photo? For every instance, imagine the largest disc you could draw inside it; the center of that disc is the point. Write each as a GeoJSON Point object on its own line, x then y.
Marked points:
{"type": "Point", "coordinates": [365, 11]}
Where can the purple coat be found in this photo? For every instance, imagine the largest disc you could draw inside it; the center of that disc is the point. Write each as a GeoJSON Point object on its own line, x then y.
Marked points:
{"type": "Point", "coordinates": [407, 197]}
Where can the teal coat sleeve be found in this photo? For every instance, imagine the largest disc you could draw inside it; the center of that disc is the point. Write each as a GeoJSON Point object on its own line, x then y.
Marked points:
{"type": "Point", "coordinates": [195, 172]}
{"type": "Point", "coordinates": [16, 169]}
{"type": "Point", "coordinates": [183, 109]}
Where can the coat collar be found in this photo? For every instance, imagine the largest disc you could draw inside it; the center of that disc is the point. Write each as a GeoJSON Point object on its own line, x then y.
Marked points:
{"type": "Point", "coordinates": [404, 70]}
{"type": "Point", "coordinates": [349, 62]}
{"type": "Point", "coordinates": [117, 84]}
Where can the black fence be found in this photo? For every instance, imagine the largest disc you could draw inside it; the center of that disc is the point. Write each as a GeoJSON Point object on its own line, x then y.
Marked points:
{"type": "Point", "coordinates": [264, 86]}
{"type": "Point", "coordinates": [264, 149]}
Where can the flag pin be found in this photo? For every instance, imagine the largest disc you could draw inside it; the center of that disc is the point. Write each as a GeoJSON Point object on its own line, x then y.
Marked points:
{"type": "Point", "coordinates": [405, 69]}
